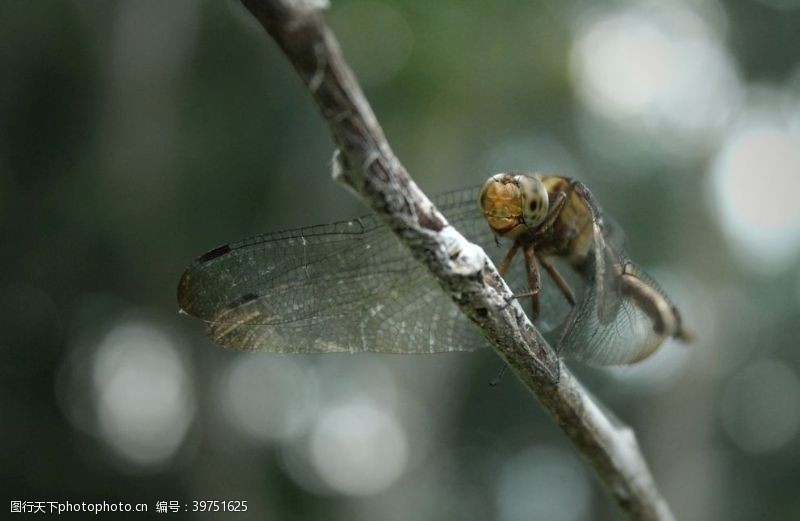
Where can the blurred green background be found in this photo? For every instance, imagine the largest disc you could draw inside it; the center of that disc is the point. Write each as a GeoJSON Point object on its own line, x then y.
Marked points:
{"type": "Point", "coordinates": [136, 135]}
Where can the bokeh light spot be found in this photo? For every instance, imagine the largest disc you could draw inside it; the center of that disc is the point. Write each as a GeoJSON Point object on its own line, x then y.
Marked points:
{"type": "Point", "coordinates": [543, 482]}
{"type": "Point", "coordinates": [756, 181]}
{"type": "Point", "coordinates": [761, 406]}
{"type": "Point", "coordinates": [358, 448]}
{"type": "Point", "coordinates": [143, 398]}
{"type": "Point", "coordinates": [269, 397]}
{"type": "Point", "coordinates": [657, 70]}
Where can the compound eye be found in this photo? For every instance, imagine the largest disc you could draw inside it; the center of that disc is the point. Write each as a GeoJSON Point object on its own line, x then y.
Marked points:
{"type": "Point", "coordinates": [491, 189]}
{"type": "Point", "coordinates": [535, 201]}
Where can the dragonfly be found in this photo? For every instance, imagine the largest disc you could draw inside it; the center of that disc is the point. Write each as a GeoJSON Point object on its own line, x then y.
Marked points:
{"type": "Point", "coordinates": [351, 286]}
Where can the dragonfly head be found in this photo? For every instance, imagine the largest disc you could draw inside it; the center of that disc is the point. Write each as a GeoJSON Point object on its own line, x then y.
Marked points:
{"type": "Point", "coordinates": [513, 203]}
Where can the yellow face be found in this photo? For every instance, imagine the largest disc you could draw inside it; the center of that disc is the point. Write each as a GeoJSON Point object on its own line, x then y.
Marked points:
{"type": "Point", "coordinates": [513, 203]}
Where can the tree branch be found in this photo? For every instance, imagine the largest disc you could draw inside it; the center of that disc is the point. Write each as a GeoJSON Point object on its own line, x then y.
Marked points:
{"type": "Point", "coordinates": [366, 164]}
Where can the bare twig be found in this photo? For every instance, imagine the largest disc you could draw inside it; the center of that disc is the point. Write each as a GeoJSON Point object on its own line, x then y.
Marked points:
{"type": "Point", "coordinates": [367, 165]}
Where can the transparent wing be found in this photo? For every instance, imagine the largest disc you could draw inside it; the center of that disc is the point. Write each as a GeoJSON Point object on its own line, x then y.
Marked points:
{"type": "Point", "coordinates": [607, 327]}
{"type": "Point", "coordinates": [347, 286]}
{"type": "Point", "coordinates": [343, 287]}
{"type": "Point", "coordinates": [351, 286]}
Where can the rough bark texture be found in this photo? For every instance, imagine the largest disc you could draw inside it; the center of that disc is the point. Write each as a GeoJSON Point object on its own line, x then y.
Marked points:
{"type": "Point", "coordinates": [366, 164]}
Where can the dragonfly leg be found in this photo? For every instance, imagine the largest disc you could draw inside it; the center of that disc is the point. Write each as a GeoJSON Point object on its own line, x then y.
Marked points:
{"type": "Point", "coordinates": [558, 279]}
{"type": "Point", "coordinates": [534, 281]}
{"type": "Point", "coordinates": [497, 379]}
{"type": "Point", "coordinates": [552, 215]}
{"type": "Point", "coordinates": [502, 268]}
{"type": "Point", "coordinates": [568, 325]}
